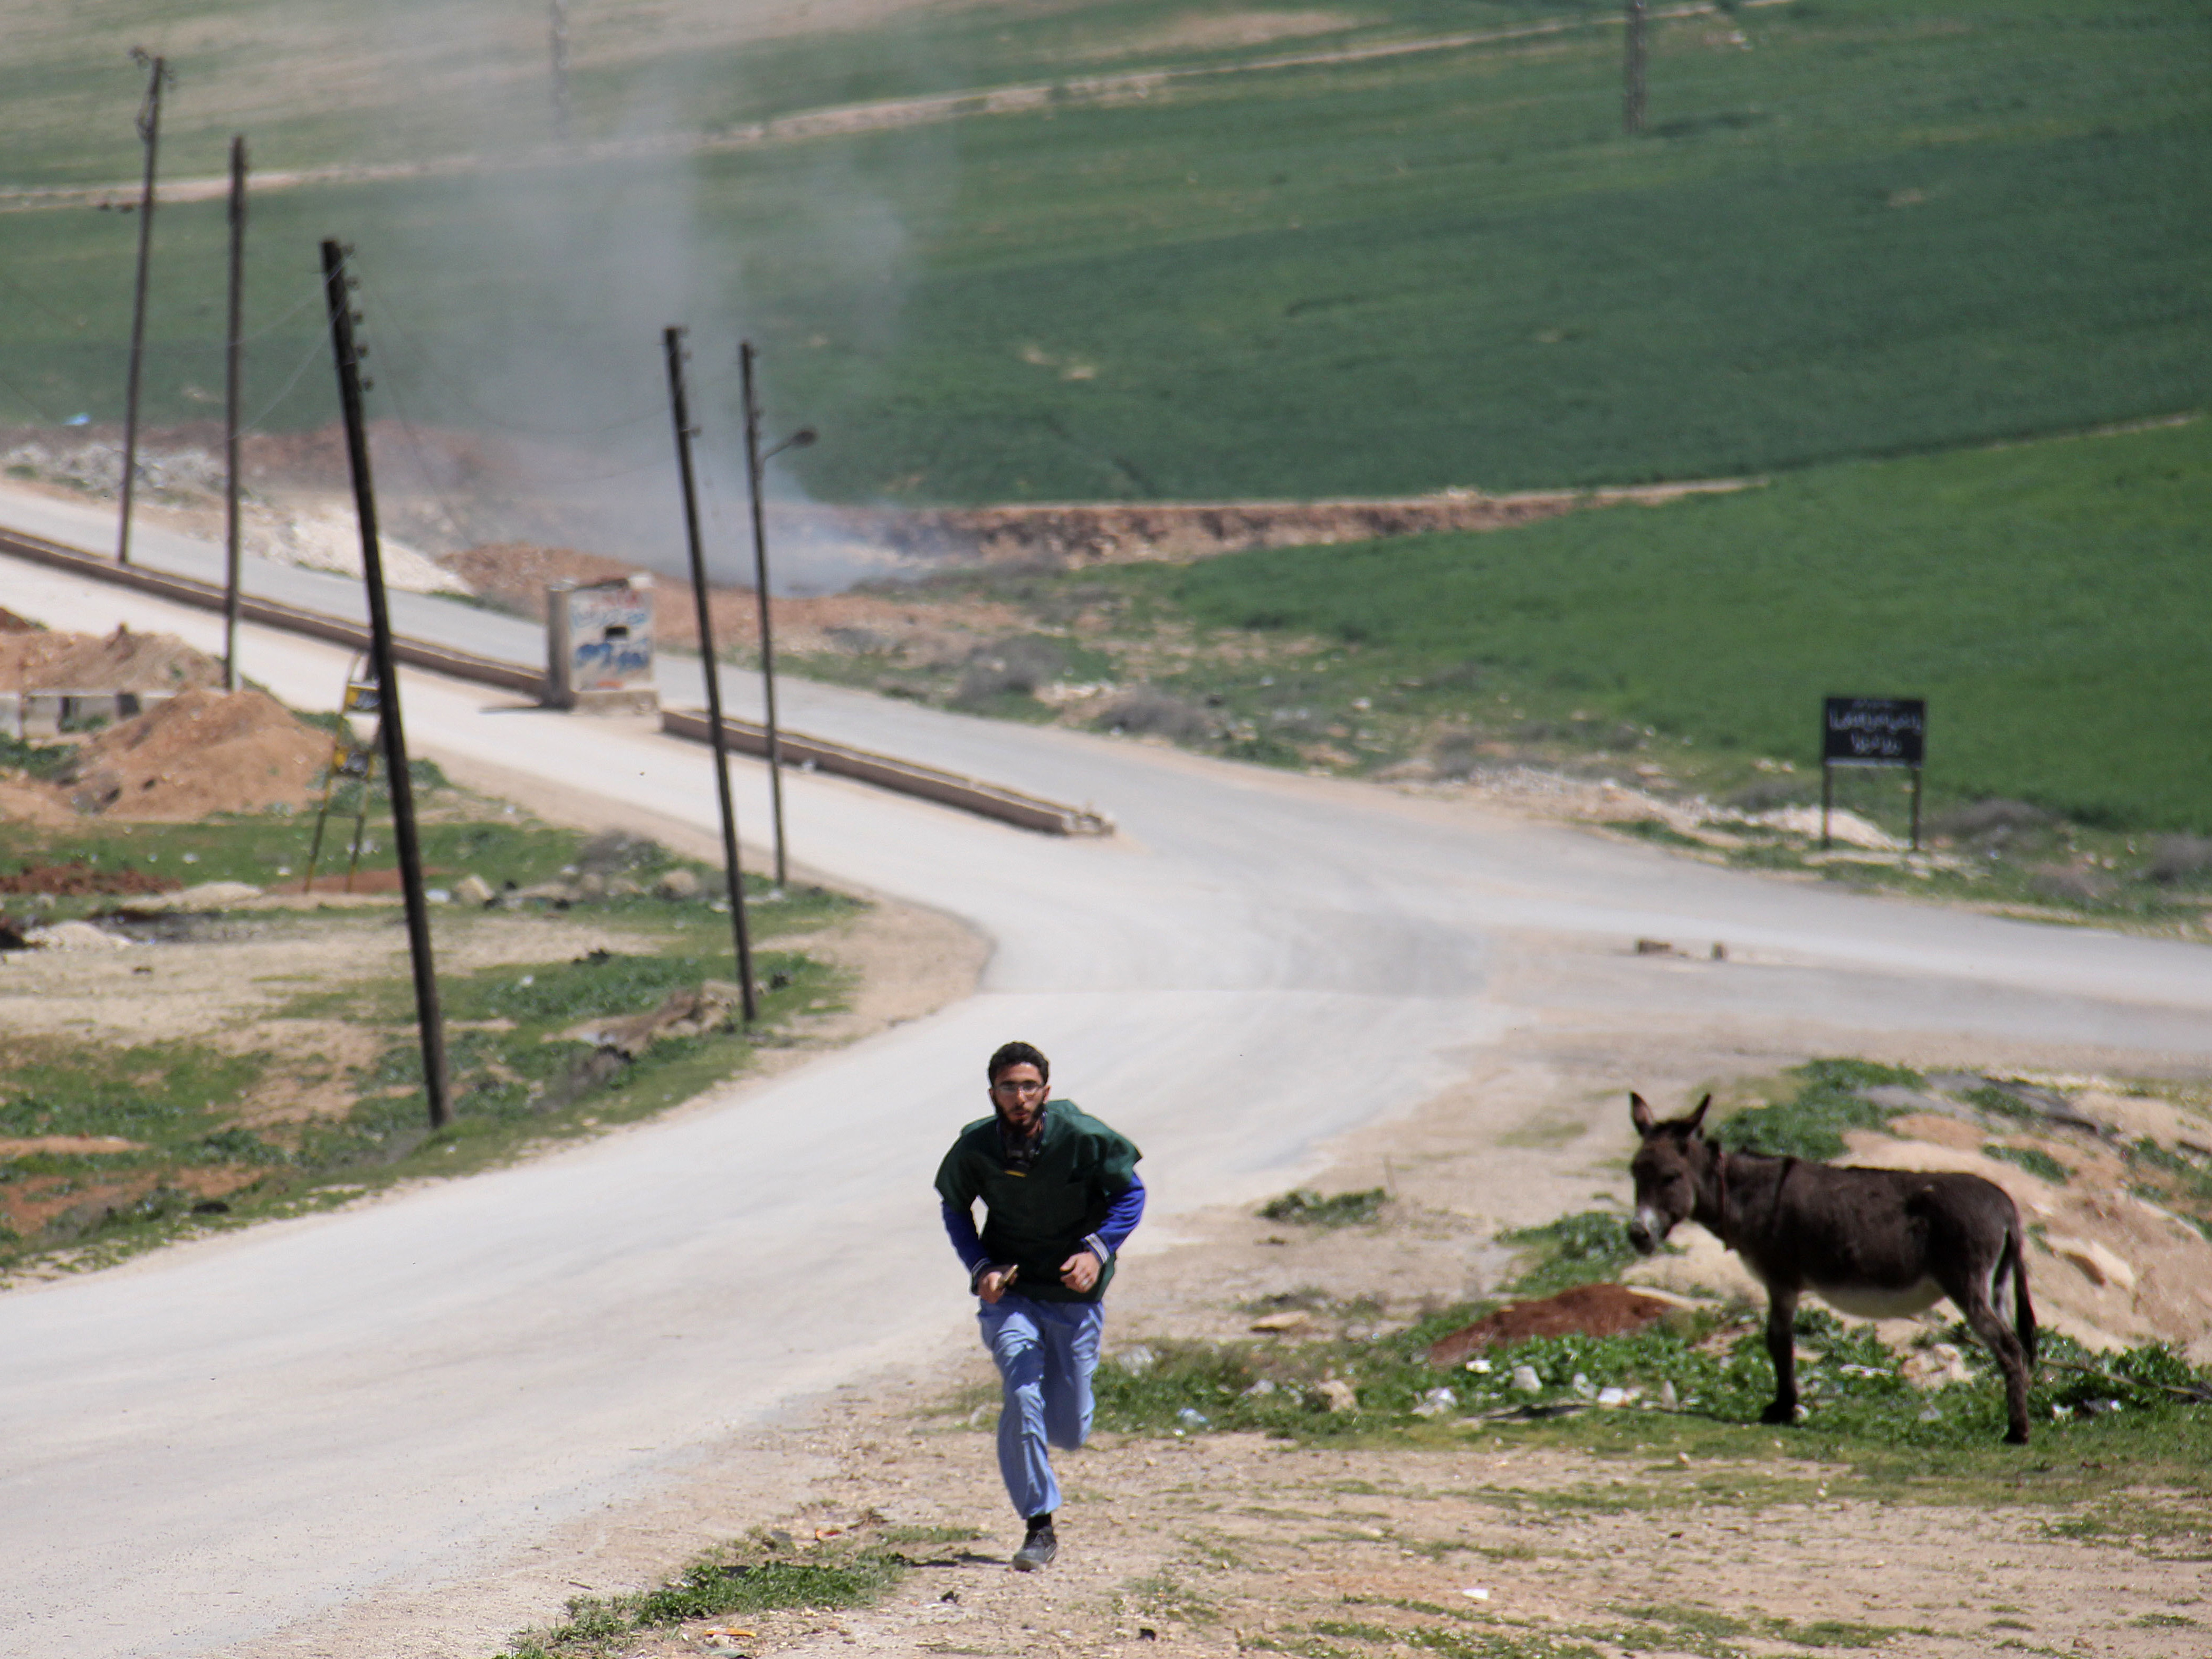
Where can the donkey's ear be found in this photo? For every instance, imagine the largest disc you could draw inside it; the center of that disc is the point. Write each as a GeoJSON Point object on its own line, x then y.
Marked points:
{"type": "Point", "coordinates": [1639, 1113]}
{"type": "Point", "coordinates": [1698, 1116]}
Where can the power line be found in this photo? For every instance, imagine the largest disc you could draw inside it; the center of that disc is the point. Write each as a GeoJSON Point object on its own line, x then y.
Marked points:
{"type": "Point", "coordinates": [45, 419]}
{"type": "Point", "coordinates": [313, 352]}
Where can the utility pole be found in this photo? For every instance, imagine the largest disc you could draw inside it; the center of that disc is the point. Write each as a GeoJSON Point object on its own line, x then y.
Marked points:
{"type": "Point", "coordinates": [760, 595]}
{"type": "Point", "coordinates": [233, 393]}
{"type": "Point", "coordinates": [680, 409]}
{"type": "Point", "coordinates": [150, 134]}
{"type": "Point", "coordinates": [1631, 103]}
{"type": "Point", "coordinates": [390, 736]}
{"type": "Point", "coordinates": [557, 42]}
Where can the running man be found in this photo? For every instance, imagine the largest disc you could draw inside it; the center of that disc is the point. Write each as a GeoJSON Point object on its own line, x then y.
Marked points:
{"type": "Point", "coordinates": [1061, 1196]}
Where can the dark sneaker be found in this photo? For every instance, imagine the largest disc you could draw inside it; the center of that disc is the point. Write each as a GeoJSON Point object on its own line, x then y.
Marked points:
{"type": "Point", "coordinates": [1037, 1549]}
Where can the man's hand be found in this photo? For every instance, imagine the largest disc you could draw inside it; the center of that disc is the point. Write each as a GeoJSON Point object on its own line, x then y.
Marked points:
{"type": "Point", "coordinates": [995, 1283]}
{"type": "Point", "coordinates": [1080, 1271]}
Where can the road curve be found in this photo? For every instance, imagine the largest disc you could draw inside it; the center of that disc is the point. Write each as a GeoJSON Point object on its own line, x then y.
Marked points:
{"type": "Point", "coordinates": [222, 1443]}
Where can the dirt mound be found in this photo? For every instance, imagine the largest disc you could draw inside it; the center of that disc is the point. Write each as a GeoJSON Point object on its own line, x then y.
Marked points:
{"type": "Point", "coordinates": [200, 752]}
{"type": "Point", "coordinates": [22, 801]}
{"type": "Point", "coordinates": [1585, 1311]}
{"type": "Point", "coordinates": [37, 660]}
{"type": "Point", "coordinates": [516, 573]}
{"type": "Point", "coordinates": [78, 879]}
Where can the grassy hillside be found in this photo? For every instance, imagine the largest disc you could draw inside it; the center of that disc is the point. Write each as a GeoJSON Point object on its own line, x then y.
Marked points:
{"type": "Point", "coordinates": [2048, 601]}
{"type": "Point", "coordinates": [1875, 227]}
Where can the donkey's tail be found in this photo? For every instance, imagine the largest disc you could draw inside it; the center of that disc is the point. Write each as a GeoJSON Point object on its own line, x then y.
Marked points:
{"type": "Point", "coordinates": [2014, 1261]}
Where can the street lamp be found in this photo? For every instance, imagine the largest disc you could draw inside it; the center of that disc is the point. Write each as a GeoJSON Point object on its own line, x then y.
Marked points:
{"type": "Point", "coordinates": [754, 460]}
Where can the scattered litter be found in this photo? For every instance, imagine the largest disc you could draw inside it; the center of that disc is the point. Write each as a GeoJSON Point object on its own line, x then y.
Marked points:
{"type": "Point", "coordinates": [1526, 1380]}
{"type": "Point", "coordinates": [1261, 1390]}
{"type": "Point", "coordinates": [1480, 1367]}
{"type": "Point", "coordinates": [1475, 1593]}
{"type": "Point", "coordinates": [1192, 1418]}
{"type": "Point", "coordinates": [1136, 1361]}
{"type": "Point", "coordinates": [1614, 1396]}
{"type": "Point", "coordinates": [1436, 1403]}
{"type": "Point", "coordinates": [1337, 1395]}
{"type": "Point", "coordinates": [1297, 1319]}
{"type": "Point", "coordinates": [1654, 947]}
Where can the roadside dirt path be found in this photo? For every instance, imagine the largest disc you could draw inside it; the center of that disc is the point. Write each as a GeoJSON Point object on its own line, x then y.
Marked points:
{"type": "Point", "coordinates": [1221, 1544]}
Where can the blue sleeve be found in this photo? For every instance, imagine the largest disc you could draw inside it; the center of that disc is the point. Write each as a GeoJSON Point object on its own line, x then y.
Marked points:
{"type": "Point", "coordinates": [960, 1228]}
{"type": "Point", "coordinates": [1121, 1221]}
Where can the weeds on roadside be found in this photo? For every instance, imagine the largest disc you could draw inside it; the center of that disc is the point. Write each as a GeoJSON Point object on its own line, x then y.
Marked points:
{"type": "Point", "coordinates": [1694, 1372]}
{"type": "Point", "coordinates": [1575, 1249]}
{"type": "Point", "coordinates": [1810, 1123]}
{"type": "Point", "coordinates": [1307, 1208]}
{"type": "Point", "coordinates": [598, 1627]}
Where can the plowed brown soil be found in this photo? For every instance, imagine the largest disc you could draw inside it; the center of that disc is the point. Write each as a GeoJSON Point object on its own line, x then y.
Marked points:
{"type": "Point", "coordinates": [1585, 1311]}
{"type": "Point", "coordinates": [77, 880]}
{"type": "Point", "coordinates": [515, 573]}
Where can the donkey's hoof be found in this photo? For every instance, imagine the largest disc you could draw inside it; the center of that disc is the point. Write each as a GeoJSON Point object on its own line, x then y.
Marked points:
{"type": "Point", "coordinates": [1778, 1414]}
{"type": "Point", "coordinates": [2015, 1436]}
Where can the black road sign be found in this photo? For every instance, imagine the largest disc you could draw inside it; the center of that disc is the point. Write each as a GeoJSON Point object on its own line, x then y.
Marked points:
{"type": "Point", "coordinates": [1875, 731]}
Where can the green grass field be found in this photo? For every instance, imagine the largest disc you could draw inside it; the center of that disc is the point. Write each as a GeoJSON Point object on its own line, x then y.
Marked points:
{"type": "Point", "coordinates": [1878, 227]}
{"type": "Point", "coordinates": [2023, 591]}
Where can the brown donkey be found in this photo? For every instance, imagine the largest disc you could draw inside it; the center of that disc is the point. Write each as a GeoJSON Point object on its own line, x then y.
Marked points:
{"type": "Point", "coordinates": [1879, 1244]}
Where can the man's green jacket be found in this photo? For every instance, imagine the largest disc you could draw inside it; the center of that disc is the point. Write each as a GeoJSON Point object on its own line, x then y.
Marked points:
{"type": "Point", "coordinates": [1039, 1216]}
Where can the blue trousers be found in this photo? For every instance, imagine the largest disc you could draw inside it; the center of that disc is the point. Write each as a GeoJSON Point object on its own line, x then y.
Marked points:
{"type": "Point", "coordinates": [1046, 1352]}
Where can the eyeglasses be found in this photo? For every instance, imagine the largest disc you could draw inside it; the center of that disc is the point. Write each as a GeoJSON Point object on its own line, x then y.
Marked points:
{"type": "Point", "coordinates": [1012, 1086]}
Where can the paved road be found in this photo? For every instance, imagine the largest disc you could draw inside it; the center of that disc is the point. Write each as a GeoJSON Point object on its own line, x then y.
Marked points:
{"type": "Point", "coordinates": [226, 1441]}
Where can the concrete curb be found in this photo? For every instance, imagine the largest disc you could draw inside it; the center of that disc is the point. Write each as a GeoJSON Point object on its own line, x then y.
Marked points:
{"type": "Point", "coordinates": [271, 613]}
{"type": "Point", "coordinates": [988, 800]}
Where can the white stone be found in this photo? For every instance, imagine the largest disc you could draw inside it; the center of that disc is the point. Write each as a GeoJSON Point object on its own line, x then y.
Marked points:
{"type": "Point", "coordinates": [74, 936]}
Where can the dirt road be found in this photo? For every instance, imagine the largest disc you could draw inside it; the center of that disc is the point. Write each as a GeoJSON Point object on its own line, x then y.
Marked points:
{"type": "Point", "coordinates": [223, 1448]}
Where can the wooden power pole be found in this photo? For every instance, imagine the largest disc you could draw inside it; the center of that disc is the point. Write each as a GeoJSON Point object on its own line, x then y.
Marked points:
{"type": "Point", "coordinates": [1632, 101]}
{"type": "Point", "coordinates": [233, 394]}
{"type": "Point", "coordinates": [556, 43]}
{"type": "Point", "coordinates": [760, 595]}
{"type": "Point", "coordinates": [392, 736]}
{"type": "Point", "coordinates": [150, 134]}
{"type": "Point", "coordinates": [680, 409]}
